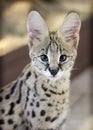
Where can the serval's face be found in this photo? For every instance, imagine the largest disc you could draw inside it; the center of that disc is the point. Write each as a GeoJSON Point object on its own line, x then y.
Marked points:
{"type": "Point", "coordinates": [53, 54]}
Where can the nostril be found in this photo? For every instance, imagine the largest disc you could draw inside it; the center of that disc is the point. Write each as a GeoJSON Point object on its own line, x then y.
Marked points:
{"type": "Point", "coordinates": [53, 71]}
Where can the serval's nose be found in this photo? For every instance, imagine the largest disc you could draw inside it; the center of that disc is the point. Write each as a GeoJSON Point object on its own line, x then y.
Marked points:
{"type": "Point", "coordinates": [53, 71]}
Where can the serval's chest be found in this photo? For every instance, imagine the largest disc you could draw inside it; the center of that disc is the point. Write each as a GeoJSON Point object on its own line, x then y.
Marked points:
{"type": "Point", "coordinates": [46, 105]}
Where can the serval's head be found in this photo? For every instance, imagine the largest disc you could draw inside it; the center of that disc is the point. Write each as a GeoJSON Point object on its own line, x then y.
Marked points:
{"type": "Point", "coordinates": [53, 53]}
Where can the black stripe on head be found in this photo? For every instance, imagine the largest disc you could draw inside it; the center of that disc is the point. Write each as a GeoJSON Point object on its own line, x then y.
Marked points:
{"type": "Point", "coordinates": [54, 40]}
{"type": "Point", "coordinates": [47, 48]}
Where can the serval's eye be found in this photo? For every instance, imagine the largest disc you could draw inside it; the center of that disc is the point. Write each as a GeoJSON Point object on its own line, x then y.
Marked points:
{"type": "Point", "coordinates": [44, 58]}
{"type": "Point", "coordinates": [63, 58]}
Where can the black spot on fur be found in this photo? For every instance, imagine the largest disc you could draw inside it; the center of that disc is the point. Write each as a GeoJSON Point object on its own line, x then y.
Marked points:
{"type": "Point", "coordinates": [13, 88]}
{"type": "Point", "coordinates": [1, 121]}
{"type": "Point", "coordinates": [33, 114]}
{"type": "Point", "coordinates": [48, 118]}
{"type": "Point", "coordinates": [53, 119]}
{"type": "Point", "coordinates": [35, 75]}
{"type": "Point", "coordinates": [31, 104]}
{"type": "Point", "coordinates": [1, 99]}
{"type": "Point", "coordinates": [33, 100]}
{"type": "Point", "coordinates": [48, 95]}
{"type": "Point", "coordinates": [27, 128]}
{"type": "Point", "coordinates": [28, 75]}
{"type": "Point", "coordinates": [10, 121]}
{"type": "Point", "coordinates": [7, 97]}
{"type": "Point", "coordinates": [45, 89]}
{"type": "Point", "coordinates": [2, 111]}
{"type": "Point", "coordinates": [53, 92]}
{"type": "Point", "coordinates": [49, 104]}
{"type": "Point", "coordinates": [21, 114]}
{"type": "Point", "coordinates": [63, 92]}
{"type": "Point", "coordinates": [37, 104]}
{"type": "Point", "coordinates": [35, 88]}
{"type": "Point", "coordinates": [42, 99]}
{"type": "Point", "coordinates": [1, 90]}
{"type": "Point", "coordinates": [15, 126]}
{"type": "Point", "coordinates": [28, 90]}
{"type": "Point", "coordinates": [42, 112]}
{"type": "Point", "coordinates": [34, 95]}
{"type": "Point", "coordinates": [11, 110]}
{"type": "Point", "coordinates": [23, 122]}
{"type": "Point", "coordinates": [56, 93]}
{"type": "Point", "coordinates": [28, 113]}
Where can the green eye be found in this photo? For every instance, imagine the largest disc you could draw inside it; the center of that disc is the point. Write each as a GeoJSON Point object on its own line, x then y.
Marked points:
{"type": "Point", "coordinates": [44, 58]}
{"type": "Point", "coordinates": [63, 58]}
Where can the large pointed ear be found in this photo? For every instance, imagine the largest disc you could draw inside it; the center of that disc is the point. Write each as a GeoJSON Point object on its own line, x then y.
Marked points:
{"type": "Point", "coordinates": [70, 28]}
{"type": "Point", "coordinates": [36, 27]}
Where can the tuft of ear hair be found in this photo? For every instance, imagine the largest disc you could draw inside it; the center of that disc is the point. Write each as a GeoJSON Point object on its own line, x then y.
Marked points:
{"type": "Point", "coordinates": [36, 27]}
{"type": "Point", "coordinates": [70, 28]}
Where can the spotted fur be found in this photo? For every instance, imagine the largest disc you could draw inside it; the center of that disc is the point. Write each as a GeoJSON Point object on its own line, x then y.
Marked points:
{"type": "Point", "coordinates": [38, 99]}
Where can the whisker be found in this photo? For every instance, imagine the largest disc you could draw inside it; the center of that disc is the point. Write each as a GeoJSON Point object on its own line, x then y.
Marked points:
{"type": "Point", "coordinates": [75, 69]}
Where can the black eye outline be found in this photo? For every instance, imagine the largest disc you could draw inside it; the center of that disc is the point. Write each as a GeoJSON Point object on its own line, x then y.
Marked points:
{"type": "Point", "coordinates": [44, 58]}
{"type": "Point", "coordinates": [63, 58]}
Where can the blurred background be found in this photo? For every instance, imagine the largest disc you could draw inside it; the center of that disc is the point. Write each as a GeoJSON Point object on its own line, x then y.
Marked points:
{"type": "Point", "coordinates": [14, 50]}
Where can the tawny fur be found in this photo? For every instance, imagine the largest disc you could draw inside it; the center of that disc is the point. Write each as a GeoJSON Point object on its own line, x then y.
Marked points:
{"type": "Point", "coordinates": [39, 98]}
